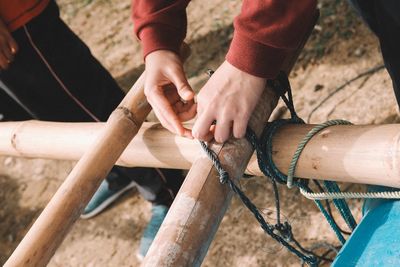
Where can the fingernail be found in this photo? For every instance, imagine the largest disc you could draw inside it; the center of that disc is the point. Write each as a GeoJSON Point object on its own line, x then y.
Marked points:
{"type": "Point", "coordinates": [187, 94]}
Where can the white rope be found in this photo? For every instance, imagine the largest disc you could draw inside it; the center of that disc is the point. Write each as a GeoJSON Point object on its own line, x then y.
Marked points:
{"type": "Point", "coordinates": [350, 195]}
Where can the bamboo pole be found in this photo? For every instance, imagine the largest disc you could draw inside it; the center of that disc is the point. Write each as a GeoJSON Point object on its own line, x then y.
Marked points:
{"type": "Point", "coordinates": [367, 154]}
{"type": "Point", "coordinates": [53, 224]}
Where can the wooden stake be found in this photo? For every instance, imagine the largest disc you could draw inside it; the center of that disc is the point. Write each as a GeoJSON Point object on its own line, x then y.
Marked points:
{"type": "Point", "coordinates": [367, 154]}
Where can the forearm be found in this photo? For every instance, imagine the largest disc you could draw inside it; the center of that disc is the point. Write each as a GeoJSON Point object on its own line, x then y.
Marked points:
{"type": "Point", "coordinates": [160, 24]}
{"type": "Point", "coordinates": [266, 32]}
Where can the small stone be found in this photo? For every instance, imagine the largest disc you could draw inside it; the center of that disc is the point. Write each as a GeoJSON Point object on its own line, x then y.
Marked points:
{"type": "Point", "coordinates": [318, 28]}
{"type": "Point", "coordinates": [8, 161]}
{"type": "Point", "coordinates": [10, 238]}
{"type": "Point", "coordinates": [359, 52]}
{"type": "Point", "coordinates": [318, 87]}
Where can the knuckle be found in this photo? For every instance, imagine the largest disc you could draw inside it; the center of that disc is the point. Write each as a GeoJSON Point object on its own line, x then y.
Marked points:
{"type": "Point", "coordinates": [218, 139]}
{"type": "Point", "coordinates": [239, 134]}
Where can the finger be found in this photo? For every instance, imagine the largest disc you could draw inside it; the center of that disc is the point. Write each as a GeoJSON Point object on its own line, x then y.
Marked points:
{"type": "Point", "coordinates": [201, 127]}
{"type": "Point", "coordinates": [182, 86]}
{"type": "Point", "coordinates": [182, 107]}
{"type": "Point", "coordinates": [182, 116]}
{"type": "Point", "coordinates": [165, 110]}
{"type": "Point", "coordinates": [187, 114]}
{"type": "Point", "coordinates": [222, 130]}
{"type": "Point", "coordinates": [187, 133]}
{"type": "Point", "coordinates": [210, 135]}
{"type": "Point", "coordinates": [239, 127]}
{"type": "Point", "coordinates": [13, 45]}
{"type": "Point", "coordinates": [164, 121]}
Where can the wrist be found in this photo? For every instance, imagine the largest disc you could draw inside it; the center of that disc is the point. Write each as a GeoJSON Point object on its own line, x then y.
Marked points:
{"type": "Point", "coordinates": [243, 74]}
{"type": "Point", "coordinates": [161, 53]}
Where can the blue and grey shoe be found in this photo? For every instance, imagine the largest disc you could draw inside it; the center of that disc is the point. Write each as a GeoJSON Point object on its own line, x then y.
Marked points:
{"type": "Point", "coordinates": [158, 213]}
{"type": "Point", "coordinates": [103, 197]}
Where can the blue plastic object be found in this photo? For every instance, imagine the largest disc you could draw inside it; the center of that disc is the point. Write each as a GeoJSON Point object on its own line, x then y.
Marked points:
{"type": "Point", "coordinates": [376, 240]}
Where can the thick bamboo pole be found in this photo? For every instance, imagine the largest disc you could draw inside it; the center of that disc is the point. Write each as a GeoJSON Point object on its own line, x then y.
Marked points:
{"type": "Point", "coordinates": [367, 154]}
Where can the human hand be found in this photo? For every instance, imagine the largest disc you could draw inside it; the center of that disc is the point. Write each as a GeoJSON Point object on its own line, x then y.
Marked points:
{"type": "Point", "coordinates": [168, 91]}
{"type": "Point", "coordinates": [8, 47]}
{"type": "Point", "coordinates": [228, 98]}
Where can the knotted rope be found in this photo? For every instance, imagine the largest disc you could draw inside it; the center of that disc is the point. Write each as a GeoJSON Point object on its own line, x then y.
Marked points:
{"type": "Point", "coordinates": [263, 148]}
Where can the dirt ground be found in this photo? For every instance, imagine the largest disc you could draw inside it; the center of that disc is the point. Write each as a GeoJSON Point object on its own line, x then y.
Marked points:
{"type": "Point", "coordinates": [340, 48]}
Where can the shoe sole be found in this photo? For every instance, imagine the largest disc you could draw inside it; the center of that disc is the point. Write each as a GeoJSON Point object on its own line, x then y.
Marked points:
{"type": "Point", "coordinates": [107, 202]}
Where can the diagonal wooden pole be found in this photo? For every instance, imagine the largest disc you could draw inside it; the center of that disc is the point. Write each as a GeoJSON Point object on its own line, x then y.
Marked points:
{"type": "Point", "coordinates": [194, 217]}
{"type": "Point", "coordinates": [53, 224]}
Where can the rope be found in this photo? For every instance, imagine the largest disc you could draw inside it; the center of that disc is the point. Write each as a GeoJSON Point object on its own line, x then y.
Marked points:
{"type": "Point", "coordinates": [303, 143]}
{"type": "Point", "coordinates": [283, 229]}
{"type": "Point", "coordinates": [333, 194]}
{"type": "Point", "coordinates": [352, 195]}
{"type": "Point", "coordinates": [282, 232]}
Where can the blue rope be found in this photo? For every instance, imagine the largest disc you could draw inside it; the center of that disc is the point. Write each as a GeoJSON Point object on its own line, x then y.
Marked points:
{"type": "Point", "coordinates": [269, 169]}
{"type": "Point", "coordinates": [341, 205]}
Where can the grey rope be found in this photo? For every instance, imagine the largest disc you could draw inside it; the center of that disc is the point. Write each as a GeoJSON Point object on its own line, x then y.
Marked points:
{"type": "Point", "coordinates": [303, 143]}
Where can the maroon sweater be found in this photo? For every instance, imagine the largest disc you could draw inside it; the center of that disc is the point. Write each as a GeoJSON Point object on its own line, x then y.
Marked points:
{"type": "Point", "coordinates": [266, 31]}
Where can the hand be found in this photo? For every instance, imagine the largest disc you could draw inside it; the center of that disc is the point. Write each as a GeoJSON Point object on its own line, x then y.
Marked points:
{"type": "Point", "coordinates": [228, 98]}
{"type": "Point", "coordinates": [168, 91]}
{"type": "Point", "coordinates": [8, 47]}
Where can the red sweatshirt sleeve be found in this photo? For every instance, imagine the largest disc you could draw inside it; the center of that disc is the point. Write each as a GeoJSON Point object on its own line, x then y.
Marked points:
{"type": "Point", "coordinates": [160, 24]}
{"type": "Point", "coordinates": [266, 31]}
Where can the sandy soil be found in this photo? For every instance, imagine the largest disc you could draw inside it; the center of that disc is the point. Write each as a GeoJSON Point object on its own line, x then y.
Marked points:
{"type": "Point", "coordinates": [339, 49]}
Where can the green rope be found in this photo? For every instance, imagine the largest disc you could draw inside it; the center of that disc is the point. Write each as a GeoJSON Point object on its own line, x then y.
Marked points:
{"type": "Point", "coordinates": [304, 142]}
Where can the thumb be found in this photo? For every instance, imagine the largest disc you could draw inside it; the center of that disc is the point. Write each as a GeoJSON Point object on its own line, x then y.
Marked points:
{"type": "Point", "coordinates": [182, 86]}
{"type": "Point", "coordinates": [13, 46]}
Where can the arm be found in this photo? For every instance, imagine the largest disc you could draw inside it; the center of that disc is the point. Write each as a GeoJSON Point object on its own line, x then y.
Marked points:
{"type": "Point", "coordinates": [160, 24]}
{"type": "Point", "coordinates": [265, 33]}
{"type": "Point", "coordinates": [8, 47]}
{"type": "Point", "coordinates": [161, 27]}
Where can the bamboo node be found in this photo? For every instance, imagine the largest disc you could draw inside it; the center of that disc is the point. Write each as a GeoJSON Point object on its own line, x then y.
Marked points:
{"type": "Point", "coordinates": [129, 115]}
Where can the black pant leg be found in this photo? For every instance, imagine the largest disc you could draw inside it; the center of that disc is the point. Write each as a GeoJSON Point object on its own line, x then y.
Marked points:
{"type": "Point", "coordinates": [10, 110]}
{"type": "Point", "coordinates": [383, 17]}
{"type": "Point", "coordinates": [158, 186]}
{"type": "Point", "coordinates": [55, 74]}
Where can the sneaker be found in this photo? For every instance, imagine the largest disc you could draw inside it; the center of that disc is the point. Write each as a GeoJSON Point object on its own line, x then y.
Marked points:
{"type": "Point", "coordinates": [103, 197]}
{"type": "Point", "coordinates": [158, 213]}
